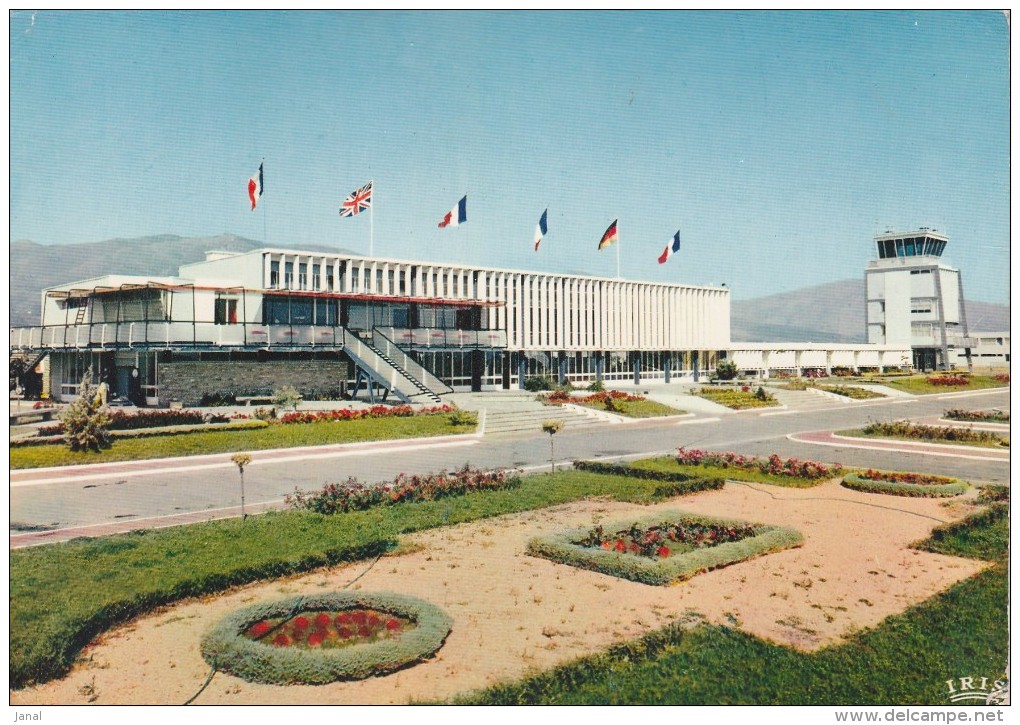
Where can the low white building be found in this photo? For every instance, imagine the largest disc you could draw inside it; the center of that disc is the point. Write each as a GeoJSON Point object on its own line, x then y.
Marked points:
{"type": "Point", "coordinates": [240, 324]}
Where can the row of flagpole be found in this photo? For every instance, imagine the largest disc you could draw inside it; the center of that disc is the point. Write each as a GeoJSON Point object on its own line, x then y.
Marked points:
{"type": "Point", "coordinates": [361, 199]}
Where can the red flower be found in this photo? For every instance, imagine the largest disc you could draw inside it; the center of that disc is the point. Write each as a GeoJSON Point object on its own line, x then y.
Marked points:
{"type": "Point", "coordinates": [364, 631]}
{"type": "Point", "coordinates": [281, 640]}
{"type": "Point", "coordinates": [301, 623]}
{"type": "Point", "coordinates": [358, 617]}
{"type": "Point", "coordinates": [606, 545]}
{"type": "Point", "coordinates": [314, 640]}
{"type": "Point", "coordinates": [663, 551]}
{"type": "Point", "coordinates": [620, 546]}
{"type": "Point", "coordinates": [344, 633]}
{"type": "Point", "coordinates": [373, 620]}
{"type": "Point", "coordinates": [322, 620]}
{"type": "Point", "coordinates": [392, 625]}
{"type": "Point", "coordinates": [259, 629]}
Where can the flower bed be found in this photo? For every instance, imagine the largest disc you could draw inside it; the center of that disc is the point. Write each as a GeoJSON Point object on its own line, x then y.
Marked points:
{"type": "Point", "coordinates": [771, 466]}
{"type": "Point", "coordinates": [904, 484]}
{"type": "Point", "coordinates": [1002, 377]}
{"type": "Point", "coordinates": [936, 434]}
{"type": "Point", "coordinates": [738, 399]}
{"type": "Point", "coordinates": [977, 416]}
{"type": "Point", "coordinates": [667, 547]}
{"type": "Point", "coordinates": [947, 380]}
{"type": "Point", "coordinates": [354, 495]}
{"type": "Point", "coordinates": [376, 411]}
{"type": "Point", "coordinates": [851, 392]}
{"type": "Point", "coordinates": [601, 397]}
{"type": "Point", "coordinates": [302, 639]}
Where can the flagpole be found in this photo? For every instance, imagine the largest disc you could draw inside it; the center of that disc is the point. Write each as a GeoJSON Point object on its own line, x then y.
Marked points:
{"type": "Point", "coordinates": [371, 223]}
{"type": "Point", "coordinates": [618, 251]}
{"type": "Point", "coordinates": [262, 170]}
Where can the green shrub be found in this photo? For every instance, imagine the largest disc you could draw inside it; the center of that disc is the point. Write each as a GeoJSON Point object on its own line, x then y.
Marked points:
{"type": "Point", "coordinates": [563, 547]}
{"type": "Point", "coordinates": [674, 483]}
{"type": "Point", "coordinates": [596, 386]}
{"type": "Point", "coordinates": [287, 397]}
{"type": "Point", "coordinates": [226, 648]}
{"type": "Point", "coordinates": [538, 383]}
{"type": "Point", "coordinates": [463, 417]}
{"type": "Point", "coordinates": [951, 487]}
{"type": "Point", "coordinates": [726, 370]}
{"type": "Point", "coordinates": [86, 421]}
{"type": "Point", "coordinates": [990, 493]}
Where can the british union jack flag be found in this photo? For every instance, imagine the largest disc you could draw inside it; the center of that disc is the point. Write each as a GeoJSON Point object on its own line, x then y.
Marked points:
{"type": "Point", "coordinates": [358, 201]}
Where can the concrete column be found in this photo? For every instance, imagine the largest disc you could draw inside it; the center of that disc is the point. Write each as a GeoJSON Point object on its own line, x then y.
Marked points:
{"type": "Point", "coordinates": [636, 356]}
{"type": "Point", "coordinates": [666, 366]}
{"type": "Point", "coordinates": [522, 370]}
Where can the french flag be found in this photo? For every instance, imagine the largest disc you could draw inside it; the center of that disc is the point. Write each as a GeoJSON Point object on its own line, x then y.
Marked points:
{"type": "Point", "coordinates": [541, 229]}
{"type": "Point", "coordinates": [670, 249]}
{"type": "Point", "coordinates": [255, 187]}
{"type": "Point", "coordinates": [456, 216]}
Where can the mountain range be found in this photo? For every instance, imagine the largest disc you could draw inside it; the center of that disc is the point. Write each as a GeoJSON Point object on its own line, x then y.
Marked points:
{"type": "Point", "coordinates": [832, 312]}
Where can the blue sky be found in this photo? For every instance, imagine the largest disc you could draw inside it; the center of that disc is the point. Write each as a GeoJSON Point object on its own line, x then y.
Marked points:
{"type": "Point", "coordinates": [779, 143]}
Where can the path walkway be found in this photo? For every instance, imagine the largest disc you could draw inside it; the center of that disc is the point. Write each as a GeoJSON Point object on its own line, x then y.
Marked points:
{"type": "Point", "coordinates": [829, 438]}
{"type": "Point", "coordinates": [514, 613]}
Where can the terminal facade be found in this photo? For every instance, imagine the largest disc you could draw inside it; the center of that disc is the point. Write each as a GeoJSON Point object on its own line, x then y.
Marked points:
{"type": "Point", "coordinates": [245, 323]}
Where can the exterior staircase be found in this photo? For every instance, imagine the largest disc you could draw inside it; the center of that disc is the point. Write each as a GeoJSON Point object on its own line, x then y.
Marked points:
{"type": "Point", "coordinates": [386, 365]}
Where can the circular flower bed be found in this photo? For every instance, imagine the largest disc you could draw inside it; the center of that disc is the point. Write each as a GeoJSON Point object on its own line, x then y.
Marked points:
{"type": "Point", "coordinates": [904, 484]}
{"type": "Point", "coordinates": [323, 638]}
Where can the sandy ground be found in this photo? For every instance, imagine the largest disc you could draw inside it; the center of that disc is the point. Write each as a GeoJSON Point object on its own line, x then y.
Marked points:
{"type": "Point", "coordinates": [514, 614]}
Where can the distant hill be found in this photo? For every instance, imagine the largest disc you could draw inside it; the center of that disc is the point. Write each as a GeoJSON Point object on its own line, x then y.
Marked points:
{"type": "Point", "coordinates": [34, 267]}
{"type": "Point", "coordinates": [832, 312]}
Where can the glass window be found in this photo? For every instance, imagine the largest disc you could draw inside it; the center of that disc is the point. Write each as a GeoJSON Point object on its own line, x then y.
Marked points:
{"type": "Point", "coordinates": [274, 274]}
{"type": "Point", "coordinates": [226, 311]}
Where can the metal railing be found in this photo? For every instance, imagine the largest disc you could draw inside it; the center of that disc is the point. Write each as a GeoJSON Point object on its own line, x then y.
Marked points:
{"type": "Point", "coordinates": [389, 348]}
{"type": "Point", "coordinates": [426, 337]}
{"type": "Point", "coordinates": [166, 334]}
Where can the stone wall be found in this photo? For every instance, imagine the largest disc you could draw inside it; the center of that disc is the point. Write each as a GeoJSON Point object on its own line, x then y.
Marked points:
{"type": "Point", "coordinates": [187, 382]}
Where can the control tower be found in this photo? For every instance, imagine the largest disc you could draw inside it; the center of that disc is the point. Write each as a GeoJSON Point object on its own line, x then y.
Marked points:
{"type": "Point", "coordinates": [914, 299]}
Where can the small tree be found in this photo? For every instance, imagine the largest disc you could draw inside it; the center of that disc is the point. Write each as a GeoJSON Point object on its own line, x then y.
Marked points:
{"type": "Point", "coordinates": [552, 427]}
{"type": "Point", "coordinates": [287, 397]}
{"type": "Point", "coordinates": [726, 370]}
{"type": "Point", "coordinates": [86, 421]}
{"type": "Point", "coordinates": [241, 460]}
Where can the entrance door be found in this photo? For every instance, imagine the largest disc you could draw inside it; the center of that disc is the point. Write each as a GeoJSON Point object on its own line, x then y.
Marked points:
{"type": "Point", "coordinates": [477, 368]}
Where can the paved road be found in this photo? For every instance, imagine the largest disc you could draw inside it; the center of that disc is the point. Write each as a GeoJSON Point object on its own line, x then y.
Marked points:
{"type": "Point", "coordinates": [138, 494]}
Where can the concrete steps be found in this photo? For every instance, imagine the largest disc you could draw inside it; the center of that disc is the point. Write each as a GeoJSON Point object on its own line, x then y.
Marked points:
{"type": "Point", "coordinates": [805, 400]}
{"type": "Point", "coordinates": [518, 417]}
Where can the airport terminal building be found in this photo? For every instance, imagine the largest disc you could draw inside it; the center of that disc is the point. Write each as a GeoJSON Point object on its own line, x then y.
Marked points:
{"type": "Point", "coordinates": [242, 324]}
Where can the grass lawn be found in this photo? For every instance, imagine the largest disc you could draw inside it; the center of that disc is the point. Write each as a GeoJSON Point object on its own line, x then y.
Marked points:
{"type": "Point", "coordinates": [225, 441]}
{"type": "Point", "coordinates": [635, 408]}
{"type": "Point", "coordinates": [902, 661]}
{"type": "Point", "coordinates": [90, 585]}
{"type": "Point", "coordinates": [994, 442]}
{"type": "Point", "coordinates": [919, 385]}
{"type": "Point", "coordinates": [735, 398]}
{"type": "Point", "coordinates": [669, 465]}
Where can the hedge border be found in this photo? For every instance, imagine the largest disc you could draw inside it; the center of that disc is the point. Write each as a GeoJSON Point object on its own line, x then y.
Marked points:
{"type": "Point", "coordinates": [226, 648]}
{"type": "Point", "coordinates": [678, 483]}
{"type": "Point", "coordinates": [560, 547]}
{"type": "Point", "coordinates": [895, 488]}
{"type": "Point", "coordinates": [166, 430]}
